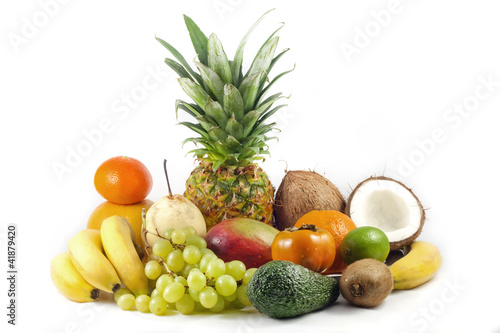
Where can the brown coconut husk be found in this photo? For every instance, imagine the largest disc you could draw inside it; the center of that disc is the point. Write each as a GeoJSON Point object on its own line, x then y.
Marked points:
{"type": "Point", "coordinates": [301, 192]}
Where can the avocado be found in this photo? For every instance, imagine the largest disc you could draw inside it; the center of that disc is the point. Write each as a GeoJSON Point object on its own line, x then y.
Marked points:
{"type": "Point", "coordinates": [282, 289]}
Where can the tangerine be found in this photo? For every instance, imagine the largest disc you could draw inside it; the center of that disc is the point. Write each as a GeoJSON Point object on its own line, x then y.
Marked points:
{"type": "Point", "coordinates": [123, 180]}
{"type": "Point", "coordinates": [132, 213]}
{"type": "Point", "coordinates": [338, 224]}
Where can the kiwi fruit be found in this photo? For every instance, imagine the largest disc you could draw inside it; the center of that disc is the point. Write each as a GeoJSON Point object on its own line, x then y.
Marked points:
{"type": "Point", "coordinates": [366, 283]}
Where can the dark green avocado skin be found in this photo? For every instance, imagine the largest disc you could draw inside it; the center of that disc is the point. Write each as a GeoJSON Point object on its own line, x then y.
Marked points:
{"type": "Point", "coordinates": [282, 289]}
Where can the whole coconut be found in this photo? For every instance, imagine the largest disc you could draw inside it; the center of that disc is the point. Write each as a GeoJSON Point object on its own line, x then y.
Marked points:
{"type": "Point", "coordinates": [301, 192]}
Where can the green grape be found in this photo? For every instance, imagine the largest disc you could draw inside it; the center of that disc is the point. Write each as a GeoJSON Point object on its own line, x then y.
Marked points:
{"type": "Point", "coordinates": [151, 284]}
{"type": "Point", "coordinates": [208, 297]}
{"type": "Point", "coordinates": [195, 295]}
{"type": "Point", "coordinates": [225, 285]}
{"type": "Point", "coordinates": [173, 292]}
{"type": "Point", "coordinates": [219, 305]}
{"type": "Point", "coordinates": [205, 251]}
{"type": "Point", "coordinates": [205, 260]}
{"type": "Point", "coordinates": [168, 233]}
{"type": "Point", "coordinates": [241, 293]}
{"type": "Point", "coordinates": [187, 268]}
{"type": "Point", "coordinates": [197, 241]}
{"type": "Point", "coordinates": [191, 254]}
{"type": "Point", "coordinates": [142, 303]}
{"type": "Point", "coordinates": [164, 269]}
{"type": "Point", "coordinates": [237, 304]}
{"type": "Point", "coordinates": [210, 282]}
{"type": "Point", "coordinates": [152, 269]}
{"type": "Point", "coordinates": [162, 247]}
{"type": "Point", "coordinates": [179, 236]}
{"type": "Point", "coordinates": [120, 292]}
{"type": "Point", "coordinates": [157, 306]}
{"type": "Point", "coordinates": [236, 269]}
{"type": "Point", "coordinates": [163, 281]}
{"type": "Point", "coordinates": [181, 279]}
{"type": "Point", "coordinates": [248, 275]}
{"type": "Point", "coordinates": [156, 293]}
{"type": "Point", "coordinates": [196, 280]}
{"type": "Point", "coordinates": [126, 302]}
{"type": "Point", "coordinates": [185, 305]}
{"type": "Point", "coordinates": [216, 268]}
{"type": "Point", "coordinates": [198, 307]}
{"type": "Point", "coordinates": [231, 297]}
{"type": "Point", "coordinates": [190, 231]}
{"type": "Point", "coordinates": [175, 261]}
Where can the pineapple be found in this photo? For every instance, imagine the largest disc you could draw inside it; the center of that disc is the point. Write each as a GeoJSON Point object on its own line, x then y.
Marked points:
{"type": "Point", "coordinates": [230, 110]}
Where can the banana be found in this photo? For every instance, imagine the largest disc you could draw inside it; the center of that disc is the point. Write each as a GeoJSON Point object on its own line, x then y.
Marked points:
{"type": "Point", "coordinates": [86, 251]}
{"type": "Point", "coordinates": [69, 282]}
{"type": "Point", "coordinates": [417, 267]}
{"type": "Point", "coordinates": [118, 241]}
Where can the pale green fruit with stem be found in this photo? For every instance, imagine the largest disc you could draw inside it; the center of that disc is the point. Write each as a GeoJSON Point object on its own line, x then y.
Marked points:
{"type": "Point", "coordinates": [171, 212]}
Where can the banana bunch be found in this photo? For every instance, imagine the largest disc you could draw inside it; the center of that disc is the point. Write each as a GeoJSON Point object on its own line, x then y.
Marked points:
{"type": "Point", "coordinates": [118, 241]}
{"type": "Point", "coordinates": [100, 260]}
{"type": "Point", "coordinates": [417, 267]}
{"type": "Point", "coordinates": [69, 282]}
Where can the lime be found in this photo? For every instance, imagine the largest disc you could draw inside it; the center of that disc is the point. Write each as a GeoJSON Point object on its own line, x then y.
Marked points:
{"type": "Point", "coordinates": [365, 242]}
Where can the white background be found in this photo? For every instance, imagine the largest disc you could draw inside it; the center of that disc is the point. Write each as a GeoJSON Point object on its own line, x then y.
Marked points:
{"type": "Point", "coordinates": [68, 67]}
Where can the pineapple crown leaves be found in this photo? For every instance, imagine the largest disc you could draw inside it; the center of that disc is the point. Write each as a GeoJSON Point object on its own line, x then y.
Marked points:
{"type": "Point", "coordinates": [230, 108]}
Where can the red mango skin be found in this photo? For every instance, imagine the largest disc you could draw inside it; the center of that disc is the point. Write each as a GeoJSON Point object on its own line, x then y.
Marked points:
{"type": "Point", "coordinates": [242, 239]}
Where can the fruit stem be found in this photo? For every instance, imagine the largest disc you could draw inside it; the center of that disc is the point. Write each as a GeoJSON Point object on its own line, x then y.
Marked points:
{"type": "Point", "coordinates": [94, 293]}
{"type": "Point", "coordinates": [357, 290]}
{"type": "Point", "coordinates": [310, 227]}
{"type": "Point", "coordinates": [116, 287]}
{"type": "Point", "coordinates": [166, 176]}
{"type": "Point", "coordinates": [149, 249]}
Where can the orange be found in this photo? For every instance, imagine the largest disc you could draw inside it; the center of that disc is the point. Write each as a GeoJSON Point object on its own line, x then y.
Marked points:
{"type": "Point", "coordinates": [338, 224]}
{"type": "Point", "coordinates": [132, 213]}
{"type": "Point", "coordinates": [123, 180]}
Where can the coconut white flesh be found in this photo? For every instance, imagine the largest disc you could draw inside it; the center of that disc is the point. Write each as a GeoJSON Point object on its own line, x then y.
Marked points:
{"type": "Point", "coordinates": [386, 205]}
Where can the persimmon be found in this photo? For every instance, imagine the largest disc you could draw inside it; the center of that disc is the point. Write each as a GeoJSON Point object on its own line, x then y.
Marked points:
{"type": "Point", "coordinates": [309, 246]}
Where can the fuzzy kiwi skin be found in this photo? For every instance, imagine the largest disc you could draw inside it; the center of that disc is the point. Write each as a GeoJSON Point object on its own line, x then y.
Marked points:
{"type": "Point", "coordinates": [366, 283]}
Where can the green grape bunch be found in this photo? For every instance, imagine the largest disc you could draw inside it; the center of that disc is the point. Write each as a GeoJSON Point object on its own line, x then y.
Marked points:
{"type": "Point", "coordinates": [185, 276]}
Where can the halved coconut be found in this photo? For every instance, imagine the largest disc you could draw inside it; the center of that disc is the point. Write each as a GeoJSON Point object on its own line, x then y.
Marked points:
{"type": "Point", "coordinates": [389, 205]}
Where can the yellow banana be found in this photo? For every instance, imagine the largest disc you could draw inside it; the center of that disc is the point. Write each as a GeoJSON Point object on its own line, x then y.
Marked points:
{"type": "Point", "coordinates": [417, 267]}
{"type": "Point", "coordinates": [118, 241]}
{"type": "Point", "coordinates": [69, 282]}
{"type": "Point", "coordinates": [85, 249]}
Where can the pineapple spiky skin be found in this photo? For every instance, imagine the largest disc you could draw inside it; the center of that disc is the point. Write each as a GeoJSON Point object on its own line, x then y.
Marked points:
{"type": "Point", "coordinates": [231, 192]}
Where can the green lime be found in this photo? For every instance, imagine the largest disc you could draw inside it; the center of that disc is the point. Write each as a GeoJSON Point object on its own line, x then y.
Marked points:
{"type": "Point", "coordinates": [365, 242]}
